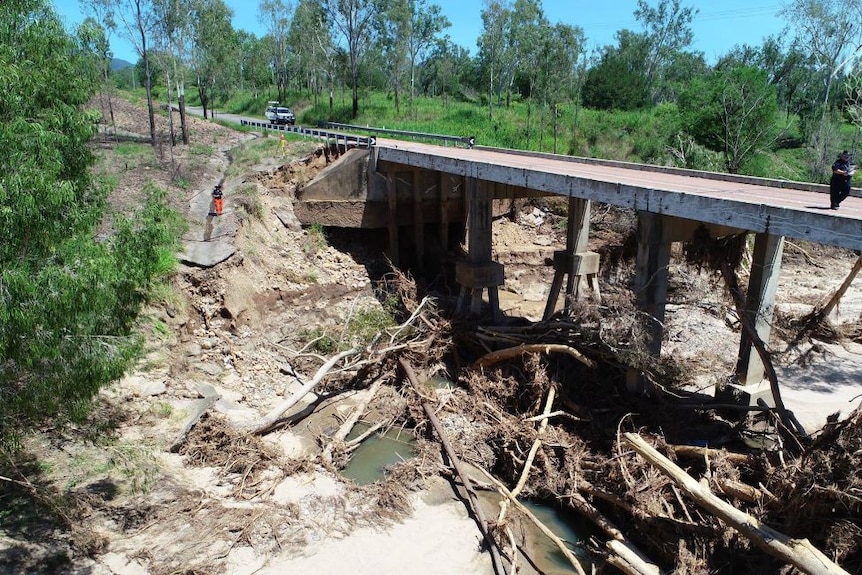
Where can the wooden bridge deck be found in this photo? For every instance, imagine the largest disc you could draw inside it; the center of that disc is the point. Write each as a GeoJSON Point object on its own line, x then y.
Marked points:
{"type": "Point", "coordinates": [791, 209]}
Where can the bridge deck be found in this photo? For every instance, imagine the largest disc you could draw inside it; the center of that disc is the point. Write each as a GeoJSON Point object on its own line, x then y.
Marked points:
{"type": "Point", "coordinates": [795, 210]}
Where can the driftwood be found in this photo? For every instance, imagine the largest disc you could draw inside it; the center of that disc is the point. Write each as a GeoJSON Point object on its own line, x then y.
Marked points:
{"type": "Point", "coordinates": [472, 499]}
{"type": "Point", "coordinates": [697, 452]}
{"type": "Point", "coordinates": [266, 423]}
{"type": "Point", "coordinates": [510, 352]}
{"type": "Point", "coordinates": [824, 311]}
{"type": "Point", "coordinates": [541, 526]}
{"type": "Point", "coordinates": [757, 342]}
{"type": "Point", "coordinates": [349, 423]}
{"type": "Point", "coordinates": [623, 553]}
{"type": "Point", "coordinates": [797, 552]}
{"type": "Point", "coordinates": [525, 473]}
{"type": "Point", "coordinates": [201, 407]}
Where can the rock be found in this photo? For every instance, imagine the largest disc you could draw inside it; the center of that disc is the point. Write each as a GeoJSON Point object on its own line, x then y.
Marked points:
{"type": "Point", "coordinates": [205, 254]}
{"type": "Point", "coordinates": [209, 368]}
{"type": "Point", "coordinates": [152, 388]}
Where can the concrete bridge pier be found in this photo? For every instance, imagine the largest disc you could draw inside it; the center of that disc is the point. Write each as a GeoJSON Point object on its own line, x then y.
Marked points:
{"type": "Point", "coordinates": [759, 307]}
{"type": "Point", "coordinates": [479, 272]}
{"type": "Point", "coordinates": [650, 285]}
{"type": "Point", "coordinates": [656, 232]}
{"type": "Point", "coordinates": [581, 266]}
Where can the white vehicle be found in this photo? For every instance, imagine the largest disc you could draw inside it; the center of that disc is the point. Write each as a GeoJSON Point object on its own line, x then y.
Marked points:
{"type": "Point", "coordinates": [279, 114]}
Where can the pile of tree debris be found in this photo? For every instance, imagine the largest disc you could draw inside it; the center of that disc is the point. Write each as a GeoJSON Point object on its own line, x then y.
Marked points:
{"type": "Point", "coordinates": [536, 413]}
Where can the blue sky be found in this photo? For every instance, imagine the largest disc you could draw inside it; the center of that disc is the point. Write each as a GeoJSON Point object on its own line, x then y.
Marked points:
{"type": "Point", "coordinates": [718, 27]}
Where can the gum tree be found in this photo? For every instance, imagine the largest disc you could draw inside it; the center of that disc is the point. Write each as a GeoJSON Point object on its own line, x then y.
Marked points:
{"type": "Point", "coordinates": [69, 297]}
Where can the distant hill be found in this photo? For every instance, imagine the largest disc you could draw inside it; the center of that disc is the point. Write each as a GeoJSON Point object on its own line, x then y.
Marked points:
{"type": "Point", "coordinates": [117, 64]}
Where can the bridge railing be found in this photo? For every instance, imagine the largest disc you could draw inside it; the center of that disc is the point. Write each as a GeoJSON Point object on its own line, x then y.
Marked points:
{"type": "Point", "coordinates": [467, 141]}
{"type": "Point", "coordinates": [339, 138]}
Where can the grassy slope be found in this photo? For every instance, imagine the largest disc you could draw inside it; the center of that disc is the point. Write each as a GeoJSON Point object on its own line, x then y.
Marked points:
{"type": "Point", "coordinates": [644, 136]}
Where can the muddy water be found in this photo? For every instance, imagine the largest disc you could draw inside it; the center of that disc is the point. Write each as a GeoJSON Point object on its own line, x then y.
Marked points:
{"type": "Point", "coordinates": [376, 453]}
{"type": "Point", "coordinates": [573, 530]}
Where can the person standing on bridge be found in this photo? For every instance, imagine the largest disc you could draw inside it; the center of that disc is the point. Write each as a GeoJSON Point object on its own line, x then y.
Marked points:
{"type": "Point", "coordinates": [839, 185]}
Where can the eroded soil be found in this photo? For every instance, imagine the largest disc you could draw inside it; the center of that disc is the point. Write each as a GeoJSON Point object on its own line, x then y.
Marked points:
{"type": "Point", "coordinates": [226, 502]}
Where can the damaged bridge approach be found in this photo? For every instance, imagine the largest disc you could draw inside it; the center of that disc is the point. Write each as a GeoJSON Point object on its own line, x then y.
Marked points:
{"type": "Point", "coordinates": [423, 193]}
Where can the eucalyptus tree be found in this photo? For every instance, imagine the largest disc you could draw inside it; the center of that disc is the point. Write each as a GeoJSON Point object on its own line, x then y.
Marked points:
{"type": "Point", "coordinates": [446, 70]}
{"type": "Point", "coordinates": [667, 32]}
{"type": "Point", "coordinates": [529, 42]}
{"type": "Point", "coordinates": [137, 22]}
{"type": "Point", "coordinates": [561, 74]}
{"type": "Point", "coordinates": [352, 21]}
{"type": "Point", "coordinates": [427, 23]}
{"type": "Point", "coordinates": [71, 285]}
{"type": "Point", "coordinates": [392, 26]}
{"type": "Point", "coordinates": [215, 54]}
{"type": "Point", "coordinates": [175, 23]}
{"type": "Point", "coordinates": [101, 25]}
{"type": "Point", "coordinates": [311, 44]}
{"type": "Point", "coordinates": [493, 48]}
{"type": "Point", "coordinates": [253, 61]}
{"type": "Point", "coordinates": [275, 15]}
{"type": "Point", "coordinates": [830, 30]}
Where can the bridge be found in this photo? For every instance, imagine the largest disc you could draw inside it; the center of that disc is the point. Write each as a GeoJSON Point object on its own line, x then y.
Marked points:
{"type": "Point", "coordinates": [455, 190]}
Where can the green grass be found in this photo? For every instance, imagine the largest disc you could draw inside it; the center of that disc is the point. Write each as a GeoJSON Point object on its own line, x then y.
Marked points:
{"type": "Point", "coordinates": [646, 136]}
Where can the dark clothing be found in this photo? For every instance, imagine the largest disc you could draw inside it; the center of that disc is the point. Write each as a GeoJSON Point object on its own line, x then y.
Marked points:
{"type": "Point", "coordinates": [839, 185]}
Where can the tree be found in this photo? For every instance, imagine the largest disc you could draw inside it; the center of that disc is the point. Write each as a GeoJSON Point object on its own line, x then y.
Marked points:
{"type": "Point", "coordinates": [352, 20]}
{"type": "Point", "coordinates": [215, 60]}
{"type": "Point", "coordinates": [426, 24]}
{"type": "Point", "coordinates": [393, 29]}
{"type": "Point", "coordinates": [447, 68]}
{"type": "Point", "coordinates": [68, 302]}
{"type": "Point", "coordinates": [493, 48]}
{"type": "Point", "coordinates": [830, 30]}
{"type": "Point", "coordinates": [174, 30]}
{"type": "Point", "coordinates": [275, 16]}
{"type": "Point", "coordinates": [732, 111]}
{"type": "Point", "coordinates": [618, 81]}
{"type": "Point", "coordinates": [95, 33]}
{"type": "Point", "coordinates": [667, 31]}
{"type": "Point", "coordinates": [138, 19]}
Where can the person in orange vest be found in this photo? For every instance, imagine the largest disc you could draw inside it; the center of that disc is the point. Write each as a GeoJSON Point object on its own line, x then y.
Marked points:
{"type": "Point", "coordinates": [218, 200]}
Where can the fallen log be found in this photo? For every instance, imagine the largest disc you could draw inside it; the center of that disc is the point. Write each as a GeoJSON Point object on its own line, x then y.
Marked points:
{"type": "Point", "coordinates": [528, 465]}
{"type": "Point", "coordinates": [349, 423]}
{"type": "Point", "coordinates": [697, 452]}
{"type": "Point", "coordinates": [269, 420]}
{"type": "Point", "coordinates": [541, 526]}
{"type": "Point", "coordinates": [623, 554]}
{"type": "Point", "coordinates": [797, 552]}
{"type": "Point", "coordinates": [472, 499]}
{"type": "Point", "coordinates": [510, 352]}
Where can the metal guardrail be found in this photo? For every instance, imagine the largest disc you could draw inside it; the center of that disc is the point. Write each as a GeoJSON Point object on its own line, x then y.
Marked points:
{"type": "Point", "coordinates": [468, 141]}
{"type": "Point", "coordinates": [338, 137]}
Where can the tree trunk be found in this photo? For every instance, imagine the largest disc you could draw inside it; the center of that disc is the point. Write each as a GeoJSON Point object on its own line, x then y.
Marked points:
{"type": "Point", "coordinates": [799, 553]}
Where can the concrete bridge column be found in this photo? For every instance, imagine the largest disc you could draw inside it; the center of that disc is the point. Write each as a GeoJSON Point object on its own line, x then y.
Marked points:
{"type": "Point", "coordinates": [575, 261]}
{"type": "Point", "coordinates": [479, 271]}
{"type": "Point", "coordinates": [650, 284]}
{"type": "Point", "coordinates": [759, 306]}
